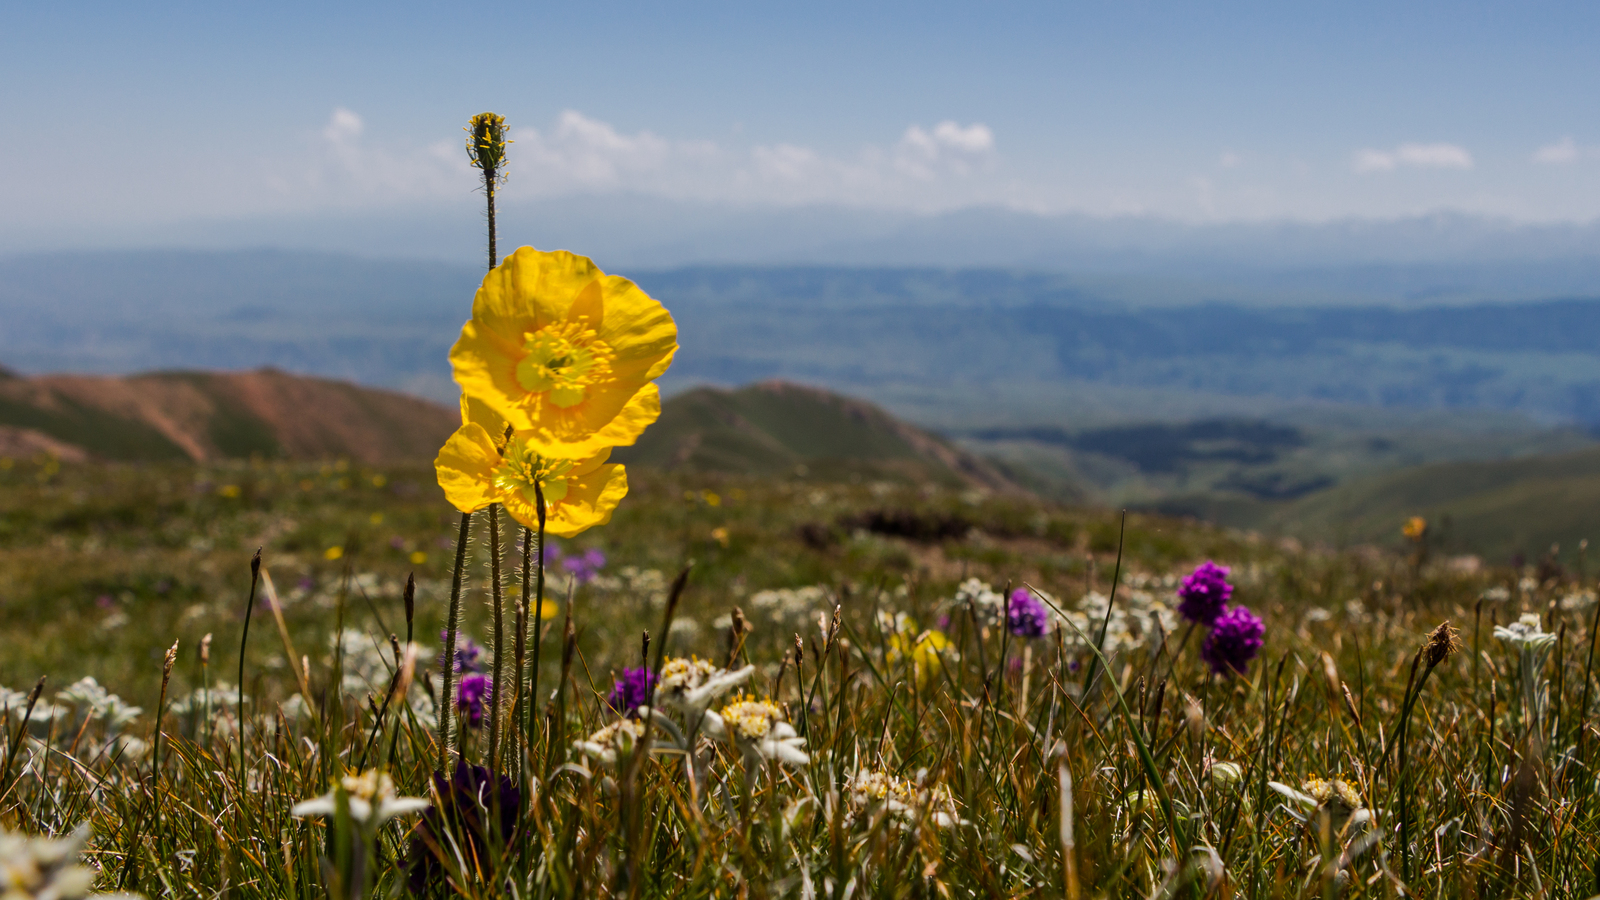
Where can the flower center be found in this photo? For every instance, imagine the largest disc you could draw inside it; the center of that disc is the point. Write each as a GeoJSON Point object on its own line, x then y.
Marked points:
{"type": "Point", "coordinates": [564, 361]}
{"type": "Point", "coordinates": [521, 468]}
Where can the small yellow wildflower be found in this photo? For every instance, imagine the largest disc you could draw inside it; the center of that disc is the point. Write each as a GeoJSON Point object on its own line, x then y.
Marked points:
{"type": "Point", "coordinates": [565, 352]}
{"type": "Point", "coordinates": [1415, 528]}
{"type": "Point", "coordinates": [418, 557]}
{"type": "Point", "coordinates": [333, 553]}
{"type": "Point", "coordinates": [711, 498]}
{"type": "Point", "coordinates": [720, 535]}
{"type": "Point", "coordinates": [229, 490]}
{"type": "Point", "coordinates": [376, 518]}
{"type": "Point", "coordinates": [379, 481]}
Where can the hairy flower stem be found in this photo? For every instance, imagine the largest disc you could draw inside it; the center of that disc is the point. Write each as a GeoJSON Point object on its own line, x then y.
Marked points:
{"type": "Point", "coordinates": [521, 658]}
{"type": "Point", "coordinates": [537, 617]}
{"type": "Point", "coordinates": [447, 660]}
{"type": "Point", "coordinates": [489, 175]}
{"type": "Point", "coordinates": [244, 640]}
{"type": "Point", "coordinates": [499, 638]}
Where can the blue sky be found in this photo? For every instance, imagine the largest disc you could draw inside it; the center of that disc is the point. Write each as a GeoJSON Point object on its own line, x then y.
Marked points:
{"type": "Point", "coordinates": [143, 123]}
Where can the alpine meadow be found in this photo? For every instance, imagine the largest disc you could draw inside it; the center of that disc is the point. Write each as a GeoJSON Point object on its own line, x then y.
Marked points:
{"type": "Point", "coordinates": [774, 642]}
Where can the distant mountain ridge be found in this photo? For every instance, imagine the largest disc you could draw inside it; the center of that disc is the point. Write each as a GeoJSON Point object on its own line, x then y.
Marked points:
{"type": "Point", "coordinates": [952, 349]}
{"type": "Point", "coordinates": [208, 416]}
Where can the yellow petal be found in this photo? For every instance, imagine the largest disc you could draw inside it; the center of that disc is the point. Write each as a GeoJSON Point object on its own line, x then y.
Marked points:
{"type": "Point", "coordinates": [474, 409]}
{"type": "Point", "coordinates": [622, 430]}
{"type": "Point", "coordinates": [465, 467]}
{"type": "Point", "coordinates": [590, 499]}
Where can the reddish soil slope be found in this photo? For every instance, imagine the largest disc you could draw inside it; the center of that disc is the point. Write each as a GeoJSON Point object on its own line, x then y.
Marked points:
{"type": "Point", "coordinates": [205, 416]}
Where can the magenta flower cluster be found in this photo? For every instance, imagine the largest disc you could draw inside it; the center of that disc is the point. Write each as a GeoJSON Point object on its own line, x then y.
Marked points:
{"type": "Point", "coordinates": [1236, 634]}
{"type": "Point", "coordinates": [1235, 639]}
{"type": "Point", "coordinates": [1204, 593]}
{"type": "Point", "coordinates": [1027, 616]}
{"type": "Point", "coordinates": [582, 566]}
{"type": "Point", "coordinates": [474, 688]}
{"type": "Point", "coordinates": [472, 695]}
{"type": "Point", "coordinates": [636, 688]}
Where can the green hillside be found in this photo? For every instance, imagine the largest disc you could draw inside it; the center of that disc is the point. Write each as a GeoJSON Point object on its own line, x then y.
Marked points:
{"type": "Point", "coordinates": [1495, 509]}
{"type": "Point", "coordinates": [777, 427]}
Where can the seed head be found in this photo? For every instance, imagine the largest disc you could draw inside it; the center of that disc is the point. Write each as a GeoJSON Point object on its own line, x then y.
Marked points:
{"type": "Point", "coordinates": [1442, 642]}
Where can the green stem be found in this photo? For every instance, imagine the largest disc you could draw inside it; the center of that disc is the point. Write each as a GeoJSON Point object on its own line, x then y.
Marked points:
{"type": "Point", "coordinates": [499, 638]}
{"type": "Point", "coordinates": [244, 640]}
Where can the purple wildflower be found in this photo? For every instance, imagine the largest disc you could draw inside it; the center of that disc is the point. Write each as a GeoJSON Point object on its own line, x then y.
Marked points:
{"type": "Point", "coordinates": [474, 691]}
{"type": "Point", "coordinates": [635, 689]}
{"type": "Point", "coordinates": [467, 653]}
{"type": "Point", "coordinates": [1235, 639]}
{"type": "Point", "coordinates": [584, 566]}
{"type": "Point", "coordinates": [475, 815]}
{"type": "Point", "coordinates": [1027, 617]}
{"type": "Point", "coordinates": [1204, 593]}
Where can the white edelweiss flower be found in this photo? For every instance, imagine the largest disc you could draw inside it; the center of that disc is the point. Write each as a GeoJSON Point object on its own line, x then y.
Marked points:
{"type": "Point", "coordinates": [46, 868]}
{"type": "Point", "coordinates": [104, 705]}
{"type": "Point", "coordinates": [613, 742]}
{"type": "Point", "coordinates": [692, 685]}
{"type": "Point", "coordinates": [1525, 633]}
{"type": "Point", "coordinates": [1578, 600]}
{"type": "Point", "coordinates": [757, 728]}
{"type": "Point", "coordinates": [371, 798]}
{"type": "Point", "coordinates": [901, 797]}
{"type": "Point", "coordinates": [987, 602]}
{"type": "Point", "coordinates": [1304, 802]}
{"type": "Point", "coordinates": [788, 606]}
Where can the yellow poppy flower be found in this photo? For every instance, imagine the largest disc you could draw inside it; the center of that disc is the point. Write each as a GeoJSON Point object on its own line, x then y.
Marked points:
{"type": "Point", "coordinates": [476, 470]}
{"type": "Point", "coordinates": [560, 348]}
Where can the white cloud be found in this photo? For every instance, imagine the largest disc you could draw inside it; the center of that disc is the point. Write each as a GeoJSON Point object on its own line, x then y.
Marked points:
{"type": "Point", "coordinates": [1422, 156]}
{"type": "Point", "coordinates": [585, 153]}
{"type": "Point", "coordinates": [933, 167]}
{"type": "Point", "coordinates": [343, 127]}
{"type": "Point", "coordinates": [949, 147]}
{"type": "Point", "coordinates": [582, 154]}
{"type": "Point", "coordinates": [346, 169]}
{"type": "Point", "coordinates": [1562, 151]}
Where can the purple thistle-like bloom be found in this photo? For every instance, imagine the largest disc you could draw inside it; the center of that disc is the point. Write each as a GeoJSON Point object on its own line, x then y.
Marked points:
{"type": "Point", "coordinates": [1235, 639]}
{"type": "Point", "coordinates": [636, 688]}
{"type": "Point", "coordinates": [1204, 593]}
{"type": "Point", "coordinates": [470, 699]}
{"type": "Point", "coordinates": [1027, 617]}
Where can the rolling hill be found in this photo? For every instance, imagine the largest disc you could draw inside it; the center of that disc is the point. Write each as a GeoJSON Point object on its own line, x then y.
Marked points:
{"type": "Point", "coordinates": [207, 416]}
{"type": "Point", "coordinates": [777, 427]}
